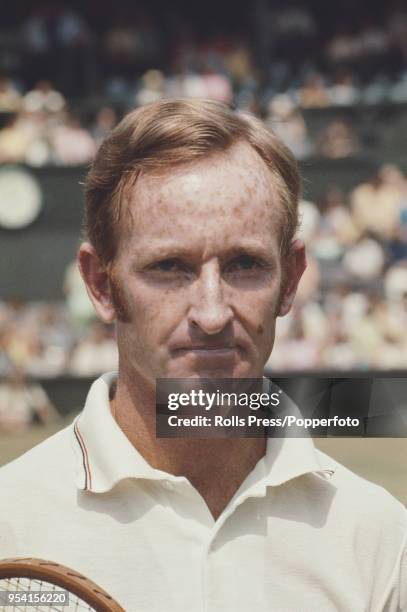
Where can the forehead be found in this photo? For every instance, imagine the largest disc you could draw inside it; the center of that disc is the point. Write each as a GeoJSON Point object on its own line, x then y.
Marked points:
{"type": "Point", "coordinates": [220, 199]}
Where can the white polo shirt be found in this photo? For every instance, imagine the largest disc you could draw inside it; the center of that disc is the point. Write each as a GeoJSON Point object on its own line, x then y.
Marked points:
{"type": "Point", "coordinates": [302, 533]}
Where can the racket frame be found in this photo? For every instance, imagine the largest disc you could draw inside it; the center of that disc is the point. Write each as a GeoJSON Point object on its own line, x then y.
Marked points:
{"type": "Point", "coordinates": [62, 576]}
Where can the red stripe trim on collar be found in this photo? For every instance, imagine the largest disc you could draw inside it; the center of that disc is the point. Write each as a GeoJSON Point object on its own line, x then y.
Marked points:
{"type": "Point", "coordinates": [88, 475]}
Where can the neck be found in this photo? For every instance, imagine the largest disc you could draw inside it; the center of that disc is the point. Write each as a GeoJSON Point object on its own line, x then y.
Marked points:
{"type": "Point", "coordinates": [215, 467]}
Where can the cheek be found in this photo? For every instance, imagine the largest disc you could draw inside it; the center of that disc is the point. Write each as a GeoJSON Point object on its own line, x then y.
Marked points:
{"type": "Point", "coordinates": [258, 312]}
{"type": "Point", "coordinates": [154, 314]}
{"type": "Point", "coordinates": [264, 328]}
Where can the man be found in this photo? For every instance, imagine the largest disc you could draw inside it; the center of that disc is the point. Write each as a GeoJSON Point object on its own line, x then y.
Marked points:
{"type": "Point", "coordinates": [191, 212]}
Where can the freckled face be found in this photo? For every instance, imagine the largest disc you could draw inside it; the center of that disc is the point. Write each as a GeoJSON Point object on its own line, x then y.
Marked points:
{"type": "Point", "coordinates": [199, 270]}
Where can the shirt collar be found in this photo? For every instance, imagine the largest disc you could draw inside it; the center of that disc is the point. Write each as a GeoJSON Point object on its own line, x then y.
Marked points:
{"type": "Point", "coordinates": [105, 456]}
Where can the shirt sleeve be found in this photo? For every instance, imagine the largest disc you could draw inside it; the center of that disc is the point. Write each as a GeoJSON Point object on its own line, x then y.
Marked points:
{"type": "Point", "coordinates": [396, 600]}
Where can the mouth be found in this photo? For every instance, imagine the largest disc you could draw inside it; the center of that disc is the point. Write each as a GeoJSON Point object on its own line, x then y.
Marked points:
{"type": "Point", "coordinates": [216, 351]}
{"type": "Point", "coordinates": [209, 352]}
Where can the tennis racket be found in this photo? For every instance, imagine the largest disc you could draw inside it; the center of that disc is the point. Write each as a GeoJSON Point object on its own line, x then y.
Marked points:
{"type": "Point", "coordinates": [28, 584]}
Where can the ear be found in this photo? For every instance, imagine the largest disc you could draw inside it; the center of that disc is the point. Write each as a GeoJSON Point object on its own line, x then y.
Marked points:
{"type": "Point", "coordinates": [295, 265]}
{"type": "Point", "coordinates": [95, 276]}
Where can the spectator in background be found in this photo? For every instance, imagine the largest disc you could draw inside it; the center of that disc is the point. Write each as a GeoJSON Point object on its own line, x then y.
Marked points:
{"type": "Point", "coordinates": [310, 282]}
{"type": "Point", "coordinates": [78, 304]}
{"type": "Point", "coordinates": [44, 98]}
{"type": "Point", "coordinates": [218, 86]}
{"type": "Point", "coordinates": [72, 144]}
{"type": "Point", "coordinates": [338, 353]}
{"type": "Point", "coordinates": [151, 88]}
{"type": "Point", "coordinates": [20, 338]}
{"type": "Point", "coordinates": [52, 342]}
{"type": "Point", "coordinates": [22, 403]}
{"type": "Point", "coordinates": [314, 93]}
{"type": "Point", "coordinates": [330, 238]}
{"type": "Point", "coordinates": [288, 124]}
{"type": "Point", "coordinates": [206, 84]}
{"type": "Point", "coordinates": [336, 220]}
{"type": "Point", "coordinates": [38, 126]}
{"type": "Point", "coordinates": [298, 352]}
{"type": "Point", "coordinates": [95, 353]}
{"type": "Point", "coordinates": [395, 283]}
{"type": "Point", "coordinates": [4, 359]}
{"type": "Point", "coordinates": [366, 337]}
{"type": "Point", "coordinates": [338, 140]}
{"type": "Point", "coordinates": [343, 91]}
{"type": "Point", "coordinates": [309, 223]}
{"type": "Point", "coordinates": [310, 218]}
{"type": "Point", "coordinates": [24, 139]}
{"type": "Point", "coordinates": [106, 119]}
{"type": "Point", "coordinates": [365, 259]}
{"type": "Point", "coordinates": [14, 141]}
{"type": "Point", "coordinates": [394, 325]}
{"type": "Point", "coordinates": [376, 204]}
{"type": "Point", "coordinates": [35, 337]}
{"type": "Point", "coordinates": [10, 97]}
{"type": "Point", "coordinates": [341, 49]}
{"type": "Point", "coordinates": [397, 245]}
{"type": "Point", "coordinates": [238, 63]}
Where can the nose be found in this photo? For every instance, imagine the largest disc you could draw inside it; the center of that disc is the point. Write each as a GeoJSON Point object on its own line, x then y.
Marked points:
{"type": "Point", "coordinates": [209, 310]}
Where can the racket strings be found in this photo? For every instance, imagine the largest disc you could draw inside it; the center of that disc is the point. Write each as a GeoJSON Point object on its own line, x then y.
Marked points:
{"type": "Point", "coordinates": [18, 585]}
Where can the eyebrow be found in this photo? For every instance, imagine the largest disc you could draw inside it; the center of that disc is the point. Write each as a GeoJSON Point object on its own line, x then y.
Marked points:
{"type": "Point", "coordinates": [246, 247]}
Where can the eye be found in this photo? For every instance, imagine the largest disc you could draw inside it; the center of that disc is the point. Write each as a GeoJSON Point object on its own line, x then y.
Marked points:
{"type": "Point", "coordinates": [244, 263]}
{"type": "Point", "coordinates": [167, 265]}
{"type": "Point", "coordinates": [170, 269]}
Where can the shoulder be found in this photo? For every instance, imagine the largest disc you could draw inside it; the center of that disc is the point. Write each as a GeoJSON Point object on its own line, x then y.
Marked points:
{"type": "Point", "coordinates": [39, 495]}
{"type": "Point", "coordinates": [355, 488]}
{"type": "Point", "coordinates": [357, 491]}
{"type": "Point", "coordinates": [49, 463]}
{"type": "Point", "coordinates": [371, 526]}
{"type": "Point", "coordinates": [366, 509]}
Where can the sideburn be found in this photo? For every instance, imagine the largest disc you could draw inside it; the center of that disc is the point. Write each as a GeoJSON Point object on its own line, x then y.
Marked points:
{"type": "Point", "coordinates": [120, 303]}
{"type": "Point", "coordinates": [284, 281]}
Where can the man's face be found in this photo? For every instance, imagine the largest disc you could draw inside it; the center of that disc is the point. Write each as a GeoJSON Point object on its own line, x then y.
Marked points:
{"type": "Point", "coordinates": [198, 272]}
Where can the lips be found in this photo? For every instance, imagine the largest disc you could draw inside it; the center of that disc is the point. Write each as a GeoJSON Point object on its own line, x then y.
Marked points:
{"type": "Point", "coordinates": [207, 351]}
{"type": "Point", "coordinates": [207, 347]}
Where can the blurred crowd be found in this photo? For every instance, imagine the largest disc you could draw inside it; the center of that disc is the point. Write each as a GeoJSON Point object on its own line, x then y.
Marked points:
{"type": "Point", "coordinates": [66, 81]}
{"type": "Point", "coordinates": [46, 340]}
{"type": "Point", "coordinates": [23, 402]}
{"type": "Point", "coordinates": [351, 307]}
{"type": "Point", "coordinates": [43, 130]}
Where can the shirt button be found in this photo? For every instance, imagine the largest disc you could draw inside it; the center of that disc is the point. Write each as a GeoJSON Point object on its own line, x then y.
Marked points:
{"type": "Point", "coordinates": [168, 485]}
